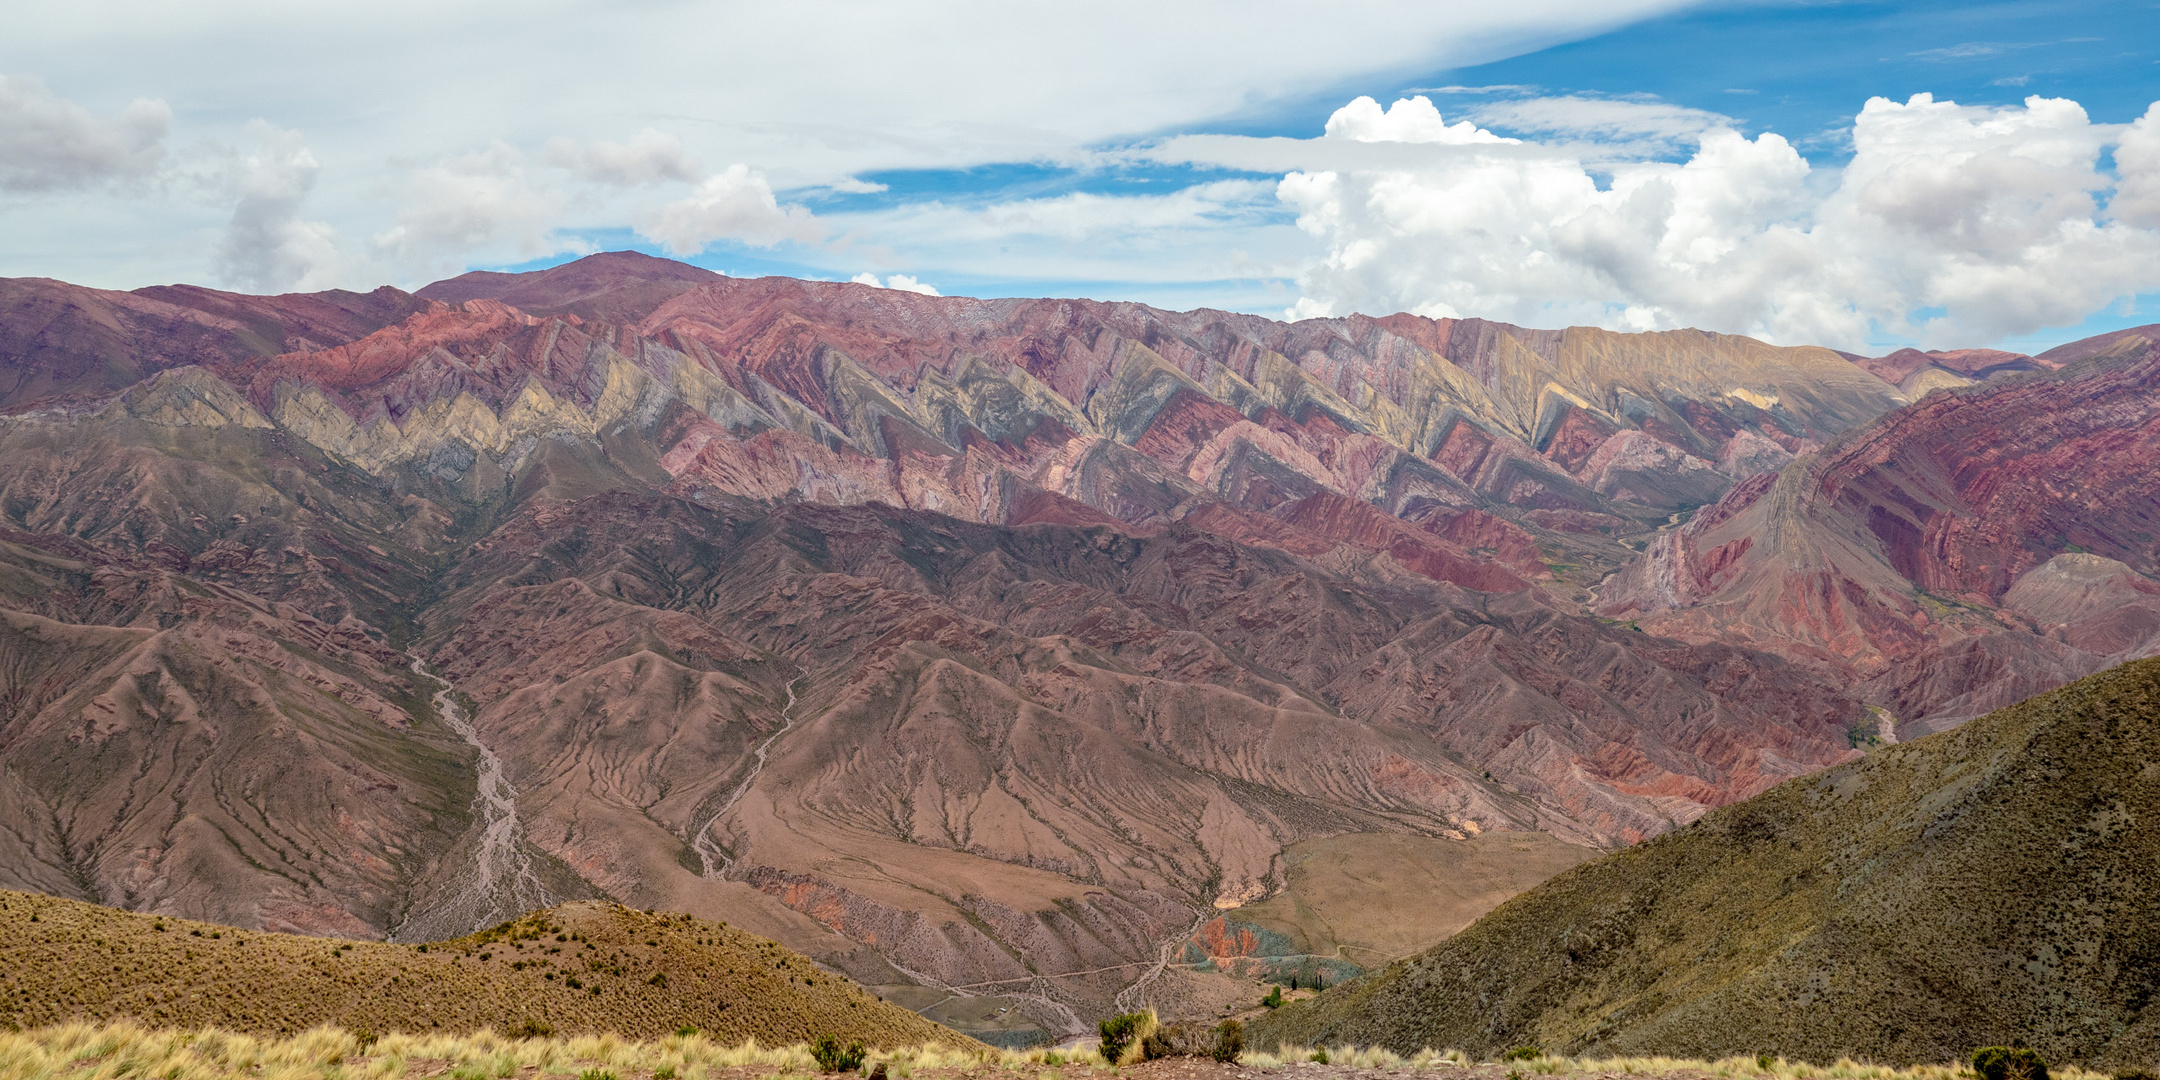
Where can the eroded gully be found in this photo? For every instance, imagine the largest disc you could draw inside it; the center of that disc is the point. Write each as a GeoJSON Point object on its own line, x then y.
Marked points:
{"type": "Point", "coordinates": [716, 860]}
{"type": "Point", "coordinates": [504, 883]}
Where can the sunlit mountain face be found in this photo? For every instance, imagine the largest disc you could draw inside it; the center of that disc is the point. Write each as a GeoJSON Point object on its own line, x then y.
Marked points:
{"type": "Point", "coordinates": [966, 643]}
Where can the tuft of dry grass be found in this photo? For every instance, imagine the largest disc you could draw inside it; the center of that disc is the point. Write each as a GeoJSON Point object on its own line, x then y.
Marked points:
{"type": "Point", "coordinates": [129, 1051]}
{"type": "Point", "coordinates": [1733, 1068]}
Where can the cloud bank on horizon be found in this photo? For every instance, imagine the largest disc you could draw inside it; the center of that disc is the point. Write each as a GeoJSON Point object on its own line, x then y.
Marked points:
{"type": "Point", "coordinates": [1949, 223]}
{"type": "Point", "coordinates": [966, 146]}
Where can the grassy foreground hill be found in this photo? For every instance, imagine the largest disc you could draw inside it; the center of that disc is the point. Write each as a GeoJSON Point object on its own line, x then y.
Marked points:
{"type": "Point", "coordinates": [583, 967]}
{"type": "Point", "coordinates": [1998, 882]}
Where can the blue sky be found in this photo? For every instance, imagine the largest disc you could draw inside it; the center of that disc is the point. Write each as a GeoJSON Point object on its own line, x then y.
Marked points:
{"type": "Point", "coordinates": [1799, 69]}
{"type": "Point", "coordinates": [1161, 153]}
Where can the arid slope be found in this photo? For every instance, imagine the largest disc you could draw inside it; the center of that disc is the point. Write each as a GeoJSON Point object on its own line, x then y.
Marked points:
{"type": "Point", "coordinates": [579, 968]}
{"type": "Point", "coordinates": [1994, 884]}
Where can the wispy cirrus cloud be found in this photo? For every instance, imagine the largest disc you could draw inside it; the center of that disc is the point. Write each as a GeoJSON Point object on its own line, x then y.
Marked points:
{"type": "Point", "coordinates": [1969, 50]}
{"type": "Point", "coordinates": [1981, 50]}
{"type": "Point", "coordinates": [1620, 121]}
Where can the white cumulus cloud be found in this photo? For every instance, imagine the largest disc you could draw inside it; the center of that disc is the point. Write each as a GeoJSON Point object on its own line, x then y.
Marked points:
{"type": "Point", "coordinates": [2137, 159]}
{"type": "Point", "coordinates": [1950, 223]}
{"type": "Point", "coordinates": [901, 282]}
{"type": "Point", "coordinates": [268, 246]}
{"type": "Point", "coordinates": [736, 204]}
{"type": "Point", "coordinates": [1411, 120]}
{"type": "Point", "coordinates": [649, 157]}
{"type": "Point", "coordinates": [48, 142]}
{"type": "Point", "coordinates": [472, 206]}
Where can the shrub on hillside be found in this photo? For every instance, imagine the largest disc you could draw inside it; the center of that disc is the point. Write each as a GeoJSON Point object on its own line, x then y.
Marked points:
{"type": "Point", "coordinates": [1123, 1032]}
{"type": "Point", "coordinates": [2008, 1063]}
{"type": "Point", "coordinates": [1222, 1042]}
{"type": "Point", "coordinates": [1162, 1043]}
{"type": "Point", "coordinates": [834, 1058]}
{"type": "Point", "coordinates": [1229, 1042]}
{"type": "Point", "coordinates": [1529, 1053]}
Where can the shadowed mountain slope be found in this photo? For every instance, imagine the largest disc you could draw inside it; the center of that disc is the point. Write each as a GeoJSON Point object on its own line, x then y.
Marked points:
{"type": "Point", "coordinates": [1995, 884]}
{"type": "Point", "coordinates": [581, 968]}
{"type": "Point", "coordinates": [58, 339]}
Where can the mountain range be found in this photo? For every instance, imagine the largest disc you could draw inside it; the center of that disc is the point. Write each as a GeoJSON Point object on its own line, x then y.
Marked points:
{"type": "Point", "coordinates": [993, 646]}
